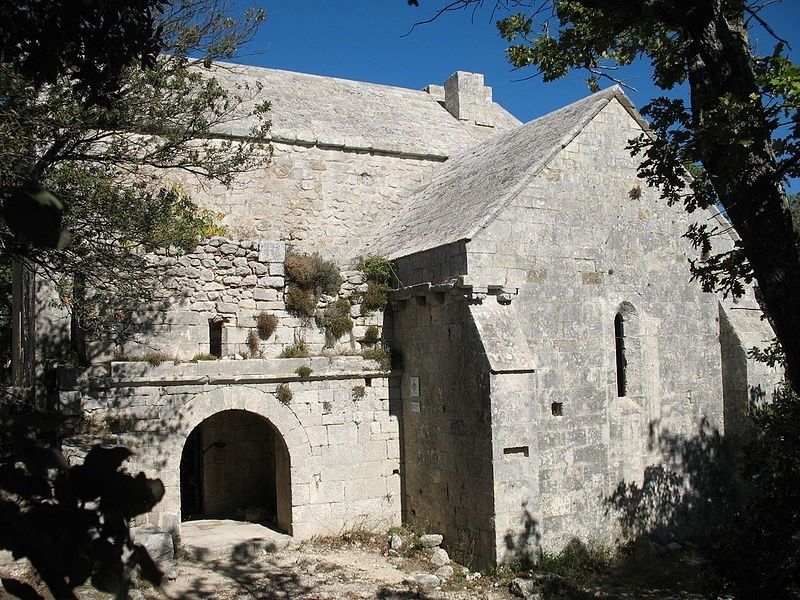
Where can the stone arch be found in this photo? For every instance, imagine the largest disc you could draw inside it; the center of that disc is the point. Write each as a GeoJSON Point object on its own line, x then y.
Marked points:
{"type": "Point", "coordinates": [233, 397]}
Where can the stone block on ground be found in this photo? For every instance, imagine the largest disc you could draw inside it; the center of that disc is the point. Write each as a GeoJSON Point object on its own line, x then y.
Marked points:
{"type": "Point", "coordinates": [422, 581]}
{"type": "Point", "coordinates": [158, 544]}
{"type": "Point", "coordinates": [439, 557]}
{"type": "Point", "coordinates": [430, 540]}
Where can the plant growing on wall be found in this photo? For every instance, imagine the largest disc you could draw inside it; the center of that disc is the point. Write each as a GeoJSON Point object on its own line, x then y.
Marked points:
{"type": "Point", "coordinates": [378, 272]}
{"type": "Point", "coordinates": [284, 393]}
{"type": "Point", "coordinates": [253, 344]}
{"type": "Point", "coordinates": [303, 371]}
{"type": "Point", "coordinates": [266, 325]}
{"type": "Point", "coordinates": [297, 350]}
{"type": "Point", "coordinates": [372, 335]}
{"type": "Point", "coordinates": [336, 321]}
{"type": "Point", "coordinates": [309, 276]}
{"type": "Point", "coordinates": [380, 355]}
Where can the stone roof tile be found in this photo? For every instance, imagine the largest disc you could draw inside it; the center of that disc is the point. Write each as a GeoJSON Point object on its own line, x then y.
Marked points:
{"type": "Point", "coordinates": [331, 111]}
{"type": "Point", "coordinates": [469, 189]}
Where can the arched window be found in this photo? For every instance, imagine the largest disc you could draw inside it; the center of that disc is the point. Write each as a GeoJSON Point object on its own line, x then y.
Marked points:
{"type": "Point", "coordinates": [627, 346]}
{"type": "Point", "coordinates": [622, 361]}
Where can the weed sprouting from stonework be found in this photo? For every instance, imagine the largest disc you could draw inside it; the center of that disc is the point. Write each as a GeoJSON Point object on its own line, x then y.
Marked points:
{"type": "Point", "coordinates": [372, 335]}
{"type": "Point", "coordinates": [358, 393]}
{"type": "Point", "coordinates": [303, 371]}
{"type": "Point", "coordinates": [380, 355]}
{"type": "Point", "coordinates": [253, 344]}
{"type": "Point", "coordinates": [311, 273]}
{"type": "Point", "coordinates": [336, 320]}
{"type": "Point", "coordinates": [284, 393]}
{"type": "Point", "coordinates": [297, 350]}
{"type": "Point", "coordinates": [375, 268]}
{"type": "Point", "coordinates": [266, 325]}
{"type": "Point", "coordinates": [204, 356]}
{"type": "Point", "coordinates": [300, 302]}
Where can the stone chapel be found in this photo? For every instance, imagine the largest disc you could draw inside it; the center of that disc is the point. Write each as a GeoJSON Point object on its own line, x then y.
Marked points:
{"type": "Point", "coordinates": [542, 323]}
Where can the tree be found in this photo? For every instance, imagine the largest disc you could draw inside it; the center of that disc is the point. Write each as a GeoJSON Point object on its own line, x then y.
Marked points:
{"type": "Point", "coordinates": [90, 138]}
{"type": "Point", "coordinates": [102, 144]}
{"type": "Point", "coordinates": [741, 124]}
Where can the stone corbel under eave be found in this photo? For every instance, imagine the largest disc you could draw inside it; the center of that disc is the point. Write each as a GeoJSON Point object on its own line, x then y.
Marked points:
{"type": "Point", "coordinates": [435, 293]}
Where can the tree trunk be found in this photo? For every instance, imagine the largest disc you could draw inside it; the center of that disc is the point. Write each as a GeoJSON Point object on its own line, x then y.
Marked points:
{"type": "Point", "coordinates": [23, 307]}
{"type": "Point", "coordinates": [744, 170]}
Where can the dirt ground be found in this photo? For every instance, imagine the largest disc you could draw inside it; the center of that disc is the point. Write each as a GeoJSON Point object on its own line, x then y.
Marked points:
{"type": "Point", "coordinates": [240, 566]}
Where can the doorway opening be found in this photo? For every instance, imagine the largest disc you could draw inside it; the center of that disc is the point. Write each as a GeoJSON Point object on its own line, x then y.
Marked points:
{"type": "Point", "coordinates": [235, 465]}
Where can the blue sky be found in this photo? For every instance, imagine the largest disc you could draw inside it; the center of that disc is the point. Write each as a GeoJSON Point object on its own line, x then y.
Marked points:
{"type": "Point", "coordinates": [364, 40]}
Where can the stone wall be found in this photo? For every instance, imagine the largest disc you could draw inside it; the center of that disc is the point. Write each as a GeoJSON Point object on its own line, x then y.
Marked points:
{"type": "Point", "coordinates": [585, 239]}
{"type": "Point", "coordinates": [233, 281]}
{"type": "Point", "coordinates": [317, 199]}
{"type": "Point", "coordinates": [341, 434]}
{"type": "Point", "coordinates": [447, 472]}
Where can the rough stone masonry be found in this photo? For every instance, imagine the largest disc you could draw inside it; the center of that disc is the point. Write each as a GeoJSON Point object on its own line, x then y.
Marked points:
{"type": "Point", "coordinates": [542, 323]}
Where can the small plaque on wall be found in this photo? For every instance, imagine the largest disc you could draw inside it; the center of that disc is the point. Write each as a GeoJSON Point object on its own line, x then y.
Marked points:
{"type": "Point", "coordinates": [414, 386]}
{"type": "Point", "coordinates": [415, 406]}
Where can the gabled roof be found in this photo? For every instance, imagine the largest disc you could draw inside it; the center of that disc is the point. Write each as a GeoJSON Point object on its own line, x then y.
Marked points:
{"type": "Point", "coordinates": [312, 109]}
{"type": "Point", "coordinates": [469, 190]}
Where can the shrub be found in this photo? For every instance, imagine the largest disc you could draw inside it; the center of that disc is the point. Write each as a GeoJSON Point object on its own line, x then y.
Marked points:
{"type": "Point", "coordinates": [300, 302]}
{"type": "Point", "coordinates": [204, 356]}
{"type": "Point", "coordinates": [253, 344]}
{"type": "Point", "coordinates": [336, 320]}
{"type": "Point", "coordinates": [359, 391]}
{"type": "Point", "coordinates": [156, 358]}
{"type": "Point", "coordinates": [372, 335]}
{"type": "Point", "coordinates": [376, 268]}
{"type": "Point", "coordinates": [266, 324]}
{"type": "Point", "coordinates": [283, 393]}
{"type": "Point", "coordinates": [376, 297]}
{"type": "Point", "coordinates": [380, 355]}
{"type": "Point", "coordinates": [297, 350]}
{"type": "Point", "coordinates": [303, 371]}
{"type": "Point", "coordinates": [312, 274]}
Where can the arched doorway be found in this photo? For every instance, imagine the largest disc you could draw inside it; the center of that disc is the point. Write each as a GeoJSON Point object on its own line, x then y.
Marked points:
{"type": "Point", "coordinates": [235, 465]}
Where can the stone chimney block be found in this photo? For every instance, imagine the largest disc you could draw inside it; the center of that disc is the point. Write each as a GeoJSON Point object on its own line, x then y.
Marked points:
{"type": "Point", "coordinates": [468, 99]}
{"type": "Point", "coordinates": [437, 91]}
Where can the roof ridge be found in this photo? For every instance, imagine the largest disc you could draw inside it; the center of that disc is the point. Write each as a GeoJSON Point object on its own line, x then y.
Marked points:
{"type": "Point", "coordinates": [468, 192]}
{"type": "Point", "coordinates": [536, 168]}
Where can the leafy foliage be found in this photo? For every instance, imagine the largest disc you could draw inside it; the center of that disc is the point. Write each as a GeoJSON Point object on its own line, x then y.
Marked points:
{"type": "Point", "coordinates": [380, 355]}
{"type": "Point", "coordinates": [312, 273]}
{"type": "Point", "coordinates": [372, 335]}
{"type": "Point", "coordinates": [309, 276]}
{"type": "Point", "coordinates": [376, 268]}
{"type": "Point", "coordinates": [375, 298]}
{"type": "Point", "coordinates": [303, 371]}
{"type": "Point", "coordinates": [300, 302]}
{"type": "Point", "coordinates": [71, 522]}
{"type": "Point", "coordinates": [105, 162]}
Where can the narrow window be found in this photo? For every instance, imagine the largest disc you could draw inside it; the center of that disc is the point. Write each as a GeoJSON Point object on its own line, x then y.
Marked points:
{"type": "Point", "coordinates": [622, 363]}
{"type": "Point", "coordinates": [215, 337]}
